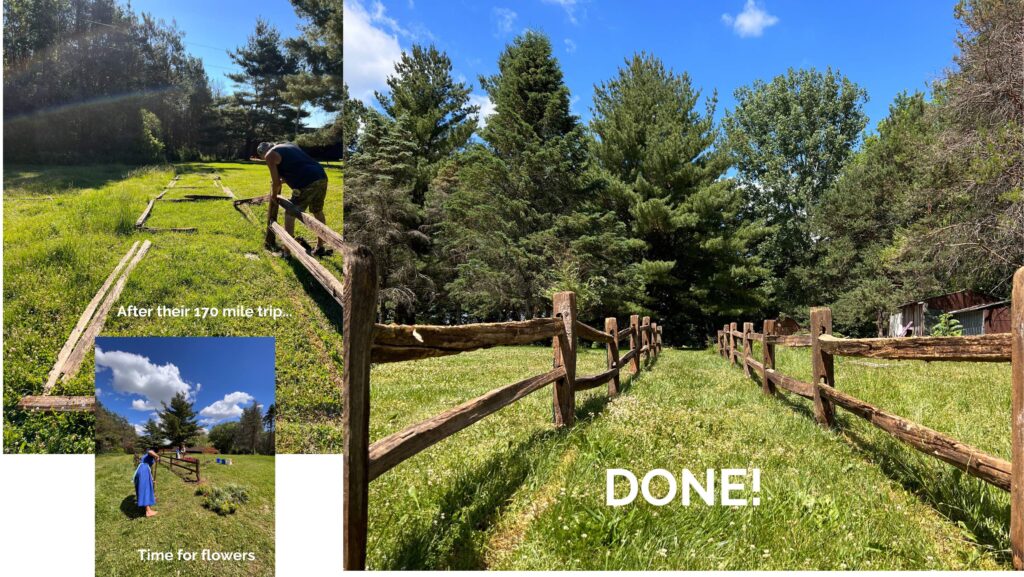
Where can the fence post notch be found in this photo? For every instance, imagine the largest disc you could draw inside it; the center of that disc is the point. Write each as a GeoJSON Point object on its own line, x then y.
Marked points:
{"type": "Point", "coordinates": [360, 300]}
{"type": "Point", "coordinates": [1017, 421]}
{"type": "Point", "coordinates": [563, 305]}
{"type": "Point", "coordinates": [823, 366]}
{"type": "Point", "coordinates": [645, 338]}
{"type": "Point", "coordinates": [634, 341]}
{"type": "Point", "coordinates": [768, 357]}
{"type": "Point", "coordinates": [611, 326]}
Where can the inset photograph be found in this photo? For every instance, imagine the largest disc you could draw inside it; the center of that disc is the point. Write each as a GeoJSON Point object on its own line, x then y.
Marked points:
{"type": "Point", "coordinates": [185, 456]}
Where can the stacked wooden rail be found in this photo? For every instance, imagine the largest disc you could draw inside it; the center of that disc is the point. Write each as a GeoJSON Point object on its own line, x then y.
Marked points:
{"type": "Point", "coordinates": [735, 343]}
{"type": "Point", "coordinates": [367, 342]}
{"type": "Point", "coordinates": [187, 465]}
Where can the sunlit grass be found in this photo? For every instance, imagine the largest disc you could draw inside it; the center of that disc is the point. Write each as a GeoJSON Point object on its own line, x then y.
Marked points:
{"type": "Point", "coordinates": [58, 252]}
{"type": "Point", "coordinates": [511, 492]}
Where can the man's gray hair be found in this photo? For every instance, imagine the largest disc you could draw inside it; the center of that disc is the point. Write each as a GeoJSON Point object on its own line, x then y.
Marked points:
{"type": "Point", "coordinates": [263, 148]}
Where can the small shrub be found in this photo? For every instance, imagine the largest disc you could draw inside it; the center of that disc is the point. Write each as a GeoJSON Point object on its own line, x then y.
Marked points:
{"type": "Point", "coordinates": [947, 327]}
{"type": "Point", "coordinates": [223, 500]}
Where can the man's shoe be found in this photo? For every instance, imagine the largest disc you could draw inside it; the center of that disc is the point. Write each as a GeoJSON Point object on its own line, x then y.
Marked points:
{"type": "Point", "coordinates": [305, 245]}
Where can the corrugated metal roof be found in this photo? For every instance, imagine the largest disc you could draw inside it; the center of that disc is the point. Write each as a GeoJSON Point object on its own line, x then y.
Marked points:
{"type": "Point", "coordinates": [981, 307]}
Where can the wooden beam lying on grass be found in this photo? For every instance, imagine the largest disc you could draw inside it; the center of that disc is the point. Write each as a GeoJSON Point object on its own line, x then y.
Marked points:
{"type": "Point", "coordinates": [74, 362]}
{"type": "Point", "coordinates": [145, 213]}
{"type": "Point", "coordinates": [57, 404]}
{"type": "Point", "coordinates": [992, 348]}
{"type": "Point", "coordinates": [393, 343]}
{"type": "Point", "coordinates": [321, 274]}
{"type": "Point", "coordinates": [964, 457]}
{"type": "Point", "coordinates": [393, 449]}
{"type": "Point", "coordinates": [83, 321]}
{"type": "Point", "coordinates": [152, 229]}
{"type": "Point", "coordinates": [254, 200]}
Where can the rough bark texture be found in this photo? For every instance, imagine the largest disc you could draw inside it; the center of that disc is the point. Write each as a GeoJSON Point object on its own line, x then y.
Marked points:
{"type": "Point", "coordinates": [584, 383]}
{"type": "Point", "coordinates": [589, 333]}
{"type": "Point", "coordinates": [563, 306]}
{"type": "Point", "coordinates": [467, 337]}
{"type": "Point", "coordinates": [393, 449]}
{"type": "Point", "coordinates": [611, 326]}
{"type": "Point", "coordinates": [57, 404]}
{"type": "Point", "coordinates": [802, 388]}
{"type": "Point", "coordinates": [145, 213]}
{"type": "Point", "coordinates": [325, 233]}
{"type": "Point", "coordinates": [360, 307]}
{"type": "Point", "coordinates": [976, 463]}
{"type": "Point", "coordinates": [993, 347]}
{"type": "Point", "coordinates": [1017, 421]}
{"type": "Point", "coordinates": [634, 341]}
{"type": "Point", "coordinates": [768, 357]}
{"type": "Point", "coordinates": [823, 366]}
{"type": "Point", "coordinates": [332, 285]}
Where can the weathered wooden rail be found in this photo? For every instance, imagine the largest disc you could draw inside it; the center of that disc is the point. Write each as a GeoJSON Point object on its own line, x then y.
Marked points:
{"type": "Point", "coordinates": [736, 345]}
{"type": "Point", "coordinates": [187, 464]}
{"type": "Point", "coordinates": [367, 342]}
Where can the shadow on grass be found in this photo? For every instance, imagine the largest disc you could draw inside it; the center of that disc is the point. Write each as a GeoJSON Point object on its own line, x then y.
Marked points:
{"type": "Point", "coordinates": [64, 179]}
{"type": "Point", "coordinates": [469, 508]}
{"type": "Point", "coordinates": [204, 168]}
{"type": "Point", "coordinates": [330, 307]}
{"type": "Point", "coordinates": [130, 509]}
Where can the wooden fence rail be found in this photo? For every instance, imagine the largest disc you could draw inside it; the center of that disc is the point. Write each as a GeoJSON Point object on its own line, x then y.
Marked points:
{"type": "Point", "coordinates": [1007, 475]}
{"type": "Point", "coordinates": [187, 464]}
{"type": "Point", "coordinates": [367, 342]}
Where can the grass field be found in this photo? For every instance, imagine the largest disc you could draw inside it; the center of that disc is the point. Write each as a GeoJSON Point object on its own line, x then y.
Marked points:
{"type": "Point", "coordinates": [512, 493]}
{"type": "Point", "coordinates": [65, 228]}
{"type": "Point", "coordinates": [181, 521]}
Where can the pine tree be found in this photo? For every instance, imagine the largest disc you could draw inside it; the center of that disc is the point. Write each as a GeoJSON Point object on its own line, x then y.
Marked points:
{"type": "Point", "coordinates": [657, 149]}
{"type": "Point", "coordinates": [265, 70]}
{"type": "Point", "coordinates": [152, 436]}
{"type": "Point", "coordinates": [178, 424]}
{"type": "Point", "coordinates": [250, 430]}
{"type": "Point", "coordinates": [319, 82]}
{"type": "Point", "coordinates": [432, 107]}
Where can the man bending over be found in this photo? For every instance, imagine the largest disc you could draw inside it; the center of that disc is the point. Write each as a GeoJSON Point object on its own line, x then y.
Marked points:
{"type": "Point", "coordinates": [304, 176]}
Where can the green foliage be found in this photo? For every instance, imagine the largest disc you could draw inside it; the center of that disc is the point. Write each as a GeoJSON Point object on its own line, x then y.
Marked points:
{"type": "Point", "coordinates": [151, 145]}
{"type": "Point", "coordinates": [789, 139]}
{"type": "Point", "coordinates": [178, 421]}
{"type": "Point", "coordinates": [223, 500]}
{"type": "Point", "coordinates": [113, 432]}
{"type": "Point", "coordinates": [947, 326]}
{"type": "Point", "coordinates": [250, 430]}
{"type": "Point", "coordinates": [222, 437]}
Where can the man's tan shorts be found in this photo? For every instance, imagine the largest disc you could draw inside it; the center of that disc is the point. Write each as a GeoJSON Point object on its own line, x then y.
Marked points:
{"type": "Point", "coordinates": [311, 197]}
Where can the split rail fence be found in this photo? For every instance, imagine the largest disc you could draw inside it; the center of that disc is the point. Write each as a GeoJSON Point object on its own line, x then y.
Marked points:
{"type": "Point", "coordinates": [188, 465]}
{"type": "Point", "coordinates": [367, 342]}
{"type": "Point", "coordinates": [735, 343]}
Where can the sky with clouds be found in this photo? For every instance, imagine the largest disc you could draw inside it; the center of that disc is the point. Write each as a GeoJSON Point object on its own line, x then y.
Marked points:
{"type": "Point", "coordinates": [221, 376]}
{"type": "Point", "coordinates": [886, 47]}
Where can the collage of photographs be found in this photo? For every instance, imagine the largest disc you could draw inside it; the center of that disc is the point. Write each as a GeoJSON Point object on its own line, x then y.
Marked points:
{"type": "Point", "coordinates": [558, 284]}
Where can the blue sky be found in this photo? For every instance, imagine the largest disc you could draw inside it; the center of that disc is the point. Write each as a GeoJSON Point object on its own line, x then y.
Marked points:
{"type": "Point", "coordinates": [884, 46]}
{"type": "Point", "coordinates": [214, 28]}
{"type": "Point", "coordinates": [220, 375]}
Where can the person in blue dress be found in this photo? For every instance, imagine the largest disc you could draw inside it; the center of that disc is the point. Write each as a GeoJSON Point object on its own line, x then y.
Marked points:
{"type": "Point", "coordinates": [145, 493]}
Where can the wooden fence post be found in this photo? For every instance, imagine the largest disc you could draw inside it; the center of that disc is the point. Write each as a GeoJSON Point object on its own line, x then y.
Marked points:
{"type": "Point", "coordinates": [660, 329]}
{"type": "Point", "coordinates": [732, 344]}
{"type": "Point", "coordinates": [645, 337]}
{"type": "Point", "coordinates": [1017, 422]}
{"type": "Point", "coordinates": [360, 298]}
{"type": "Point", "coordinates": [563, 305]}
{"type": "Point", "coordinates": [823, 365]}
{"type": "Point", "coordinates": [748, 348]}
{"type": "Point", "coordinates": [654, 339]}
{"type": "Point", "coordinates": [611, 326]}
{"type": "Point", "coordinates": [768, 357]}
{"type": "Point", "coordinates": [634, 341]}
{"type": "Point", "coordinates": [725, 340]}
{"type": "Point", "coordinates": [271, 218]}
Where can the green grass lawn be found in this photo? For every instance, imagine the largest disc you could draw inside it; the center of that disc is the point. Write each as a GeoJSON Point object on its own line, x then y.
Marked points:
{"type": "Point", "coordinates": [65, 228]}
{"type": "Point", "coordinates": [513, 493]}
{"type": "Point", "coordinates": [181, 521]}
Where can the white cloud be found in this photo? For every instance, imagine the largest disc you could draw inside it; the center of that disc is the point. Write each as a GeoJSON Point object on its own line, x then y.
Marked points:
{"type": "Point", "coordinates": [751, 22]}
{"type": "Point", "coordinates": [506, 19]}
{"type": "Point", "coordinates": [486, 107]}
{"type": "Point", "coordinates": [230, 407]}
{"type": "Point", "coordinates": [569, 6]}
{"type": "Point", "coordinates": [570, 46]}
{"type": "Point", "coordinates": [370, 50]}
{"type": "Point", "coordinates": [136, 375]}
{"type": "Point", "coordinates": [139, 429]}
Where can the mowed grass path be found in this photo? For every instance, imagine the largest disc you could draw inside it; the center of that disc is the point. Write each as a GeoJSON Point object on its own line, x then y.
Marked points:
{"type": "Point", "coordinates": [182, 522]}
{"type": "Point", "coordinates": [513, 493]}
{"type": "Point", "coordinates": [65, 229]}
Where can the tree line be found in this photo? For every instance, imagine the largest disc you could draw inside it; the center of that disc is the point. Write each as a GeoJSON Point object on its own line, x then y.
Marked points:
{"type": "Point", "coordinates": [655, 207]}
{"type": "Point", "coordinates": [92, 81]}
{"type": "Point", "coordinates": [176, 425]}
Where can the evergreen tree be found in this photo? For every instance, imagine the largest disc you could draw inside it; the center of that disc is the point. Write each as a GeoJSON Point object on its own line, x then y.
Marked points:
{"type": "Point", "coordinates": [113, 432]}
{"type": "Point", "coordinates": [658, 151]}
{"type": "Point", "coordinates": [178, 424]}
{"type": "Point", "coordinates": [433, 109]}
{"type": "Point", "coordinates": [250, 430]}
{"type": "Point", "coordinates": [152, 436]}
{"type": "Point", "coordinates": [380, 213]}
{"type": "Point", "coordinates": [266, 66]}
{"type": "Point", "coordinates": [500, 223]}
{"type": "Point", "coordinates": [319, 82]}
{"type": "Point", "coordinates": [789, 139]}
